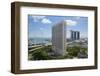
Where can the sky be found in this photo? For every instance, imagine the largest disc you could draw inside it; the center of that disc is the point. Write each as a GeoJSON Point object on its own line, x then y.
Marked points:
{"type": "Point", "coordinates": [40, 26]}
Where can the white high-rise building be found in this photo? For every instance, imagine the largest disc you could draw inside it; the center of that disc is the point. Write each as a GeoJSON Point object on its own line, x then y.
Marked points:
{"type": "Point", "coordinates": [59, 38]}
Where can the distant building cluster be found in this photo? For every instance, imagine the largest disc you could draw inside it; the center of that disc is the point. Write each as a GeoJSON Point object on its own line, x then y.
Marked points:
{"type": "Point", "coordinates": [75, 35]}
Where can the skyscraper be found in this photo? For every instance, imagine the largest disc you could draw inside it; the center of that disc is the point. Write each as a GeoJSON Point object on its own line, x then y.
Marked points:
{"type": "Point", "coordinates": [59, 38]}
{"type": "Point", "coordinates": [75, 35]}
{"type": "Point", "coordinates": [72, 35]}
{"type": "Point", "coordinates": [78, 35]}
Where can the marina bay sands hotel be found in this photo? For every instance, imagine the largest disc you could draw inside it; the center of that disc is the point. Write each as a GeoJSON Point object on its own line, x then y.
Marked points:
{"type": "Point", "coordinates": [59, 38]}
{"type": "Point", "coordinates": [75, 35]}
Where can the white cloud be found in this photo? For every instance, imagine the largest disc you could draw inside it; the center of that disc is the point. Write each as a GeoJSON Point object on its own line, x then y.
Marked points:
{"type": "Point", "coordinates": [71, 22]}
{"type": "Point", "coordinates": [37, 18]}
{"type": "Point", "coordinates": [41, 19]}
{"type": "Point", "coordinates": [41, 29]}
{"type": "Point", "coordinates": [78, 17]}
{"type": "Point", "coordinates": [46, 21]}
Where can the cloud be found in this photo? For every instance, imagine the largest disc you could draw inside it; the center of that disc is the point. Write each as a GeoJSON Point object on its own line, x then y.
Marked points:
{"type": "Point", "coordinates": [78, 17]}
{"type": "Point", "coordinates": [37, 18]}
{"type": "Point", "coordinates": [71, 22]}
{"type": "Point", "coordinates": [41, 19]}
{"type": "Point", "coordinates": [46, 21]}
{"type": "Point", "coordinates": [41, 29]}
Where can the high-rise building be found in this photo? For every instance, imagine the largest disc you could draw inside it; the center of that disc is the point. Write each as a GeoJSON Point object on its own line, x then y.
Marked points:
{"type": "Point", "coordinates": [59, 38]}
{"type": "Point", "coordinates": [75, 35]}
{"type": "Point", "coordinates": [72, 35]}
{"type": "Point", "coordinates": [78, 35]}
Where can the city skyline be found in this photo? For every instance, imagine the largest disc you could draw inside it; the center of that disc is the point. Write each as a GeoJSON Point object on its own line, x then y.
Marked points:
{"type": "Point", "coordinates": [41, 26]}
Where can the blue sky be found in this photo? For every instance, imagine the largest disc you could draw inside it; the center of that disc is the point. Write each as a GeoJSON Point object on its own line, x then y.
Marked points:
{"type": "Point", "coordinates": [41, 26]}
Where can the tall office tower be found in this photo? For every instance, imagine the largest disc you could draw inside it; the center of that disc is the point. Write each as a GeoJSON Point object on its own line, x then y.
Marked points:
{"type": "Point", "coordinates": [72, 36]}
{"type": "Point", "coordinates": [75, 35]}
{"type": "Point", "coordinates": [78, 35]}
{"type": "Point", "coordinates": [59, 38]}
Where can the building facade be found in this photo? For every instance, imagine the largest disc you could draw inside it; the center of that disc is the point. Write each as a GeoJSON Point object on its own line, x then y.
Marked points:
{"type": "Point", "coordinates": [59, 38]}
